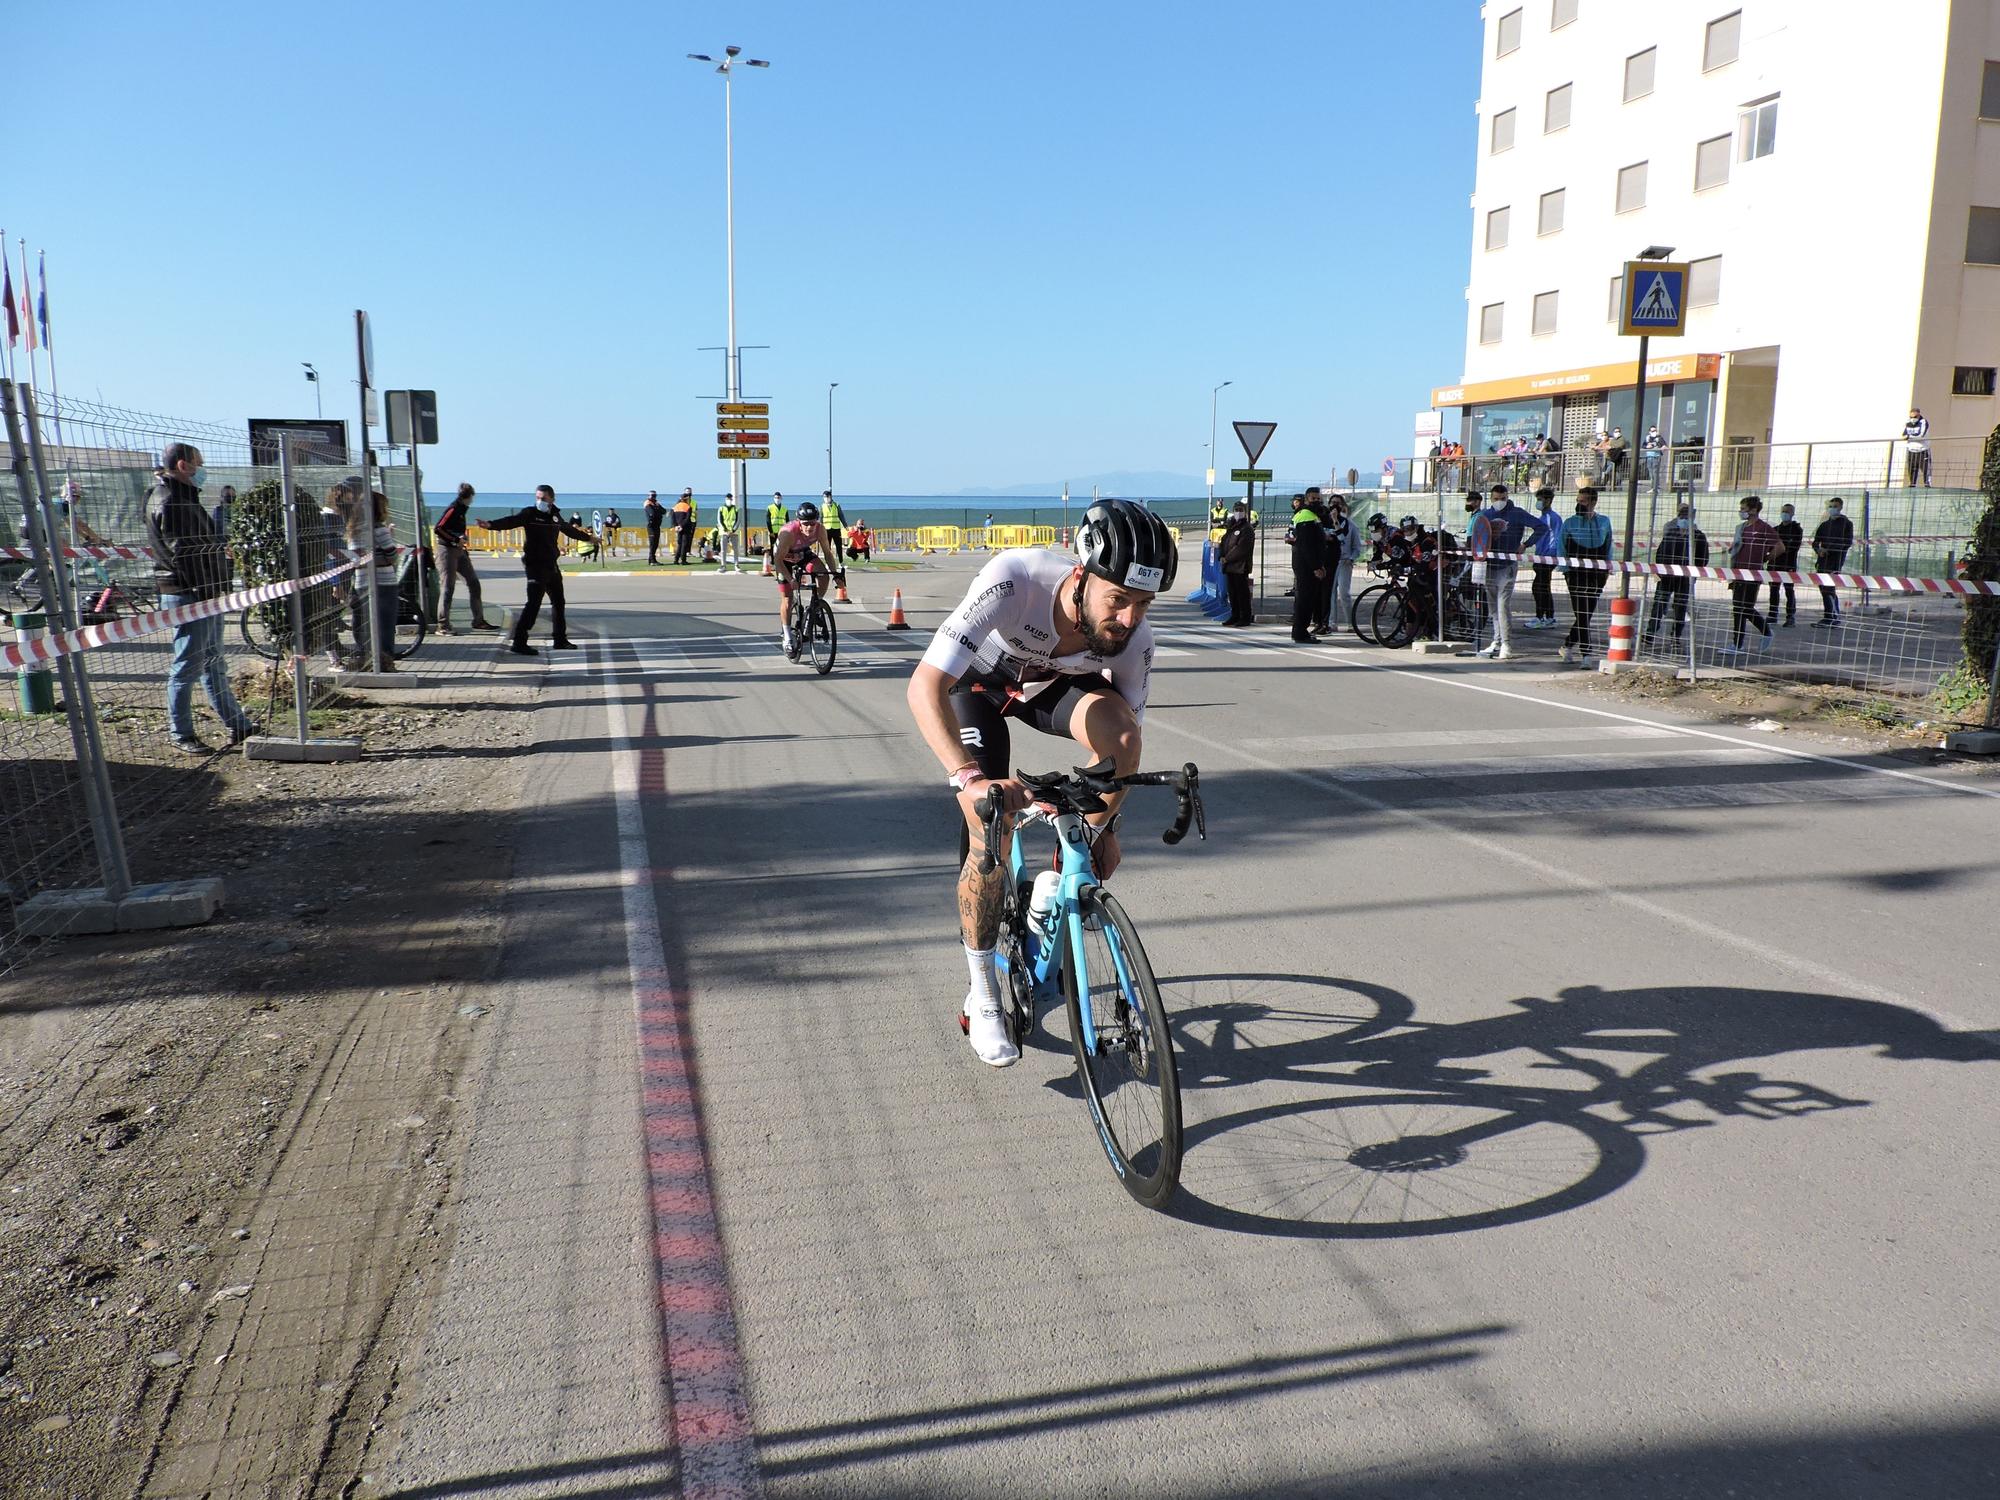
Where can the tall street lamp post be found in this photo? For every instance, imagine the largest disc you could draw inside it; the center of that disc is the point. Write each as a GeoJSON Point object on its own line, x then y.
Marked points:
{"type": "Point", "coordinates": [1211, 442]}
{"type": "Point", "coordinates": [312, 375]}
{"type": "Point", "coordinates": [733, 355]}
{"type": "Point", "coordinates": [832, 386]}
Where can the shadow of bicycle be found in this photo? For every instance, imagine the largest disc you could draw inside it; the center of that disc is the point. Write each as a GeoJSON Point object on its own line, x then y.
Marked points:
{"type": "Point", "coordinates": [1394, 1127]}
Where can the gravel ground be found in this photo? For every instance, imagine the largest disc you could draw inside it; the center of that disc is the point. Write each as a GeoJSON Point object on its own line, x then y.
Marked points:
{"type": "Point", "coordinates": [222, 1150]}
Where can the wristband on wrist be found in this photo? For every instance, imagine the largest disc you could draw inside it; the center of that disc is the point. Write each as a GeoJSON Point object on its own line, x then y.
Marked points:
{"type": "Point", "coordinates": [965, 776]}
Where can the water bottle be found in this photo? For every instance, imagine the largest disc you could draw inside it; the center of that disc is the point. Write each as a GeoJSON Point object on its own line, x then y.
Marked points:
{"type": "Point", "coordinates": [1042, 903]}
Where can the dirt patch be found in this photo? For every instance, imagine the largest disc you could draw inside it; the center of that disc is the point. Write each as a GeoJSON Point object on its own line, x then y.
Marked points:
{"type": "Point", "coordinates": [223, 1151]}
{"type": "Point", "coordinates": [1852, 720]}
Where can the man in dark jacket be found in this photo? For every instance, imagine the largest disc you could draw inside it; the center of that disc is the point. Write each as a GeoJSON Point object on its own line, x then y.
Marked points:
{"type": "Point", "coordinates": [1309, 570]}
{"type": "Point", "coordinates": [656, 515]}
{"type": "Point", "coordinates": [1234, 557]}
{"type": "Point", "coordinates": [1754, 545]}
{"type": "Point", "coordinates": [1683, 544]}
{"type": "Point", "coordinates": [1831, 540]}
{"type": "Point", "coordinates": [539, 526]}
{"type": "Point", "coordinates": [191, 565]}
{"type": "Point", "coordinates": [1792, 536]}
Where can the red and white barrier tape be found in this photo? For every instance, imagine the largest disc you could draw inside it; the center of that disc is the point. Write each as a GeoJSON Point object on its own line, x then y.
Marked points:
{"type": "Point", "coordinates": [135, 554]}
{"type": "Point", "coordinates": [46, 648]}
{"type": "Point", "coordinates": [1749, 575]}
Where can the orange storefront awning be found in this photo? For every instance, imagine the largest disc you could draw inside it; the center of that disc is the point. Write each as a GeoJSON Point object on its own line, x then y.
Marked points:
{"type": "Point", "coordinates": [1668, 368]}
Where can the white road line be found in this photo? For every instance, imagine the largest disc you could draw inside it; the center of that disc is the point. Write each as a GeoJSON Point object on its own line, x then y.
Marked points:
{"type": "Point", "coordinates": [1549, 765]}
{"type": "Point", "coordinates": [1415, 739]}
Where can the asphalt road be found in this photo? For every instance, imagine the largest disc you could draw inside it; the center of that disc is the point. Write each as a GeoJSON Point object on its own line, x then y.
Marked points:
{"type": "Point", "coordinates": [1701, 1024]}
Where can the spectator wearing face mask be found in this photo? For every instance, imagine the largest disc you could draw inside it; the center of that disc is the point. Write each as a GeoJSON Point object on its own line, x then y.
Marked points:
{"type": "Point", "coordinates": [1586, 537]}
{"type": "Point", "coordinates": [1754, 545]}
{"type": "Point", "coordinates": [1832, 539]}
{"type": "Point", "coordinates": [1682, 544]}
{"type": "Point", "coordinates": [540, 526]}
{"type": "Point", "coordinates": [1793, 536]}
{"type": "Point", "coordinates": [1344, 532]}
{"type": "Point", "coordinates": [1234, 556]}
{"type": "Point", "coordinates": [1547, 546]}
{"type": "Point", "coordinates": [1917, 448]}
{"type": "Point", "coordinates": [1501, 527]}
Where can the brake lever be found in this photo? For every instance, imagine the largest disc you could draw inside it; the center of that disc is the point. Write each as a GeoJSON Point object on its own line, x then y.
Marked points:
{"type": "Point", "coordinates": [989, 813]}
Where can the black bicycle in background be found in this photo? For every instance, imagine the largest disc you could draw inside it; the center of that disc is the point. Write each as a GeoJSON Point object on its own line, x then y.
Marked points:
{"type": "Point", "coordinates": [814, 635]}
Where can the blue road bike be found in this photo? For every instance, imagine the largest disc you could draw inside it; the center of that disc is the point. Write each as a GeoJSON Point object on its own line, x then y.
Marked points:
{"type": "Point", "coordinates": [1086, 948]}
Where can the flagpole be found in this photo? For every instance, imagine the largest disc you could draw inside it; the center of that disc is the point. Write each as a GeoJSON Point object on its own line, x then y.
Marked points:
{"type": "Point", "coordinates": [42, 312]}
{"type": "Point", "coordinates": [7, 315]}
{"type": "Point", "coordinates": [34, 365]}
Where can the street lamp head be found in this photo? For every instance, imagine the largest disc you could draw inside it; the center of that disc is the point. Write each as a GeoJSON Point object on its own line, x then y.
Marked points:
{"type": "Point", "coordinates": [700, 57]}
{"type": "Point", "coordinates": [756, 62]}
{"type": "Point", "coordinates": [1656, 252]}
{"type": "Point", "coordinates": [732, 51]}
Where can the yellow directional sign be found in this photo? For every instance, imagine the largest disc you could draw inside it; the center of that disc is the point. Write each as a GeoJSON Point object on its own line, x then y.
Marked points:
{"type": "Point", "coordinates": [730, 451]}
{"type": "Point", "coordinates": [742, 408]}
{"type": "Point", "coordinates": [743, 424]}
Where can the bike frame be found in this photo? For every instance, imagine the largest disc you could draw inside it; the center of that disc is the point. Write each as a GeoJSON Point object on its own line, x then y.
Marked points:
{"type": "Point", "coordinates": [1079, 874]}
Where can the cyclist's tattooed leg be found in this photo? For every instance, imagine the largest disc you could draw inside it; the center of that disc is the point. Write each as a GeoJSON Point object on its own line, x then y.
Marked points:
{"type": "Point", "coordinates": [979, 897]}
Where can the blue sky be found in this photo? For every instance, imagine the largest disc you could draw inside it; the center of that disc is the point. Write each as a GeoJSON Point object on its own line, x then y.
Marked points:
{"type": "Point", "coordinates": [1025, 239]}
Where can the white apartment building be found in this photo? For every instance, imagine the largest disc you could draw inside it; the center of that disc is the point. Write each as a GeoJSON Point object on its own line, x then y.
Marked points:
{"type": "Point", "coordinates": [1831, 169]}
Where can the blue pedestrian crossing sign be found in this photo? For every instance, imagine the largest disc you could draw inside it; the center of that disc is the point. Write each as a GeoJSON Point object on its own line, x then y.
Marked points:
{"type": "Point", "coordinates": [1654, 299]}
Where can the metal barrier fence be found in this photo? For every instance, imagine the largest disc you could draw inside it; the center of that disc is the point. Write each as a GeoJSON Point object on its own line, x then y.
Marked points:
{"type": "Point", "coordinates": [96, 759]}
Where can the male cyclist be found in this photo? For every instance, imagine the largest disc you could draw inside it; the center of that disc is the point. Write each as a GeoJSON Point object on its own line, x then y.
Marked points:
{"type": "Point", "coordinates": [1060, 643]}
{"type": "Point", "coordinates": [792, 553]}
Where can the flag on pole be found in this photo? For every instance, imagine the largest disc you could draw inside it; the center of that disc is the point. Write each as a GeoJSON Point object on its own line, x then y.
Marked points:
{"type": "Point", "coordinates": [42, 300]}
{"type": "Point", "coordinates": [27, 308]}
{"type": "Point", "coordinates": [7, 296]}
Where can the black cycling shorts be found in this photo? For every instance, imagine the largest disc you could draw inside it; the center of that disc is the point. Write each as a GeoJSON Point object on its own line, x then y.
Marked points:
{"type": "Point", "coordinates": [983, 707]}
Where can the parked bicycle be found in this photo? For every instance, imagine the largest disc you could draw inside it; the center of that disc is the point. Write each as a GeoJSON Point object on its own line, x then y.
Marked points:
{"type": "Point", "coordinates": [1080, 942]}
{"type": "Point", "coordinates": [813, 633]}
{"type": "Point", "coordinates": [1393, 614]}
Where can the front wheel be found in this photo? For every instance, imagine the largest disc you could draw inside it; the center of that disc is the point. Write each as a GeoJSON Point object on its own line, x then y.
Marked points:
{"type": "Point", "coordinates": [1362, 615]}
{"type": "Point", "coordinates": [822, 638]}
{"type": "Point", "coordinates": [1125, 1054]}
{"type": "Point", "coordinates": [1395, 622]}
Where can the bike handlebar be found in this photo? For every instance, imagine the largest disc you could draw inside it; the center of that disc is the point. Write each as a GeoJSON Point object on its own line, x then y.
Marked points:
{"type": "Point", "coordinates": [1084, 792]}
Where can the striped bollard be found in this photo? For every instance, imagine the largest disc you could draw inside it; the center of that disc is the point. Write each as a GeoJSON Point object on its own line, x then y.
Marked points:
{"type": "Point", "coordinates": [1624, 630]}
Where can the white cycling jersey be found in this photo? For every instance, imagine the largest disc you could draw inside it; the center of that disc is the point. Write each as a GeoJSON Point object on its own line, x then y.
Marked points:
{"type": "Point", "coordinates": [1006, 625]}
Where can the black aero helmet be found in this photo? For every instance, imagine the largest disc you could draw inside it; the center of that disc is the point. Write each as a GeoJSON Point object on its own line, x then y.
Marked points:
{"type": "Point", "coordinates": [807, 511]}
{"type": "Point", "coordinates": [1408, 521]}
{"type": "Point", "coordinates": [1124, 542]}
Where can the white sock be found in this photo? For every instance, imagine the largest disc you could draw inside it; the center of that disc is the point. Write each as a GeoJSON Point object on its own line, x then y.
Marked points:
{"type": "Point", "coordinates": [985, 987]}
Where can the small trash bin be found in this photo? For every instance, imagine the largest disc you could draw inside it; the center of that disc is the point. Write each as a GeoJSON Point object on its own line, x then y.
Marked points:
{"type": "Point", "coordinates": [35, 685]}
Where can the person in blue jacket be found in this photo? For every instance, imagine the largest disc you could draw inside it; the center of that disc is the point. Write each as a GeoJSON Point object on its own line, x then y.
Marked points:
{"type": "Point", "coordinates": [1501, 526]}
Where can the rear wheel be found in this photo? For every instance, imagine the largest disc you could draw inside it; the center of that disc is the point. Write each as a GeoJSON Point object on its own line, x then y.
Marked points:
{"type": "Point", "coordinates": [265, 628]}
{"type": "Point", "coordinates": [1395, 622]}
{"type": "Point", "coordinates": [1127, 1059]}
{"type": "Point", "coordinates": [822, 638]}
{"type": "Point", "coordinates": [409, 635]}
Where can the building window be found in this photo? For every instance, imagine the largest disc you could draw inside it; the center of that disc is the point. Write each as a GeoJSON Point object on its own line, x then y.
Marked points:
{"type": "Point", "coordinates": [1561, 13]}
{"type": "Point", "coordinates": [1982, 237]}
{"type": "Point", "coordinates": [1496, 229]}
{"type": "Point", "coordinates": [1507, 36]}
{"type": "Point", "coordinates": [1503, 132]}
{"type": "Point", "coordinates": [1631, 187]}
{"type": "Point", "coordinates": [1639, 74]}
{"type": "Point", "coordinates": [1711, 163]}
{"type": "Point", "coordinates": [1613, 311]}
{"type": "Point", "coordinates": [1718, 50]}
{"type": "Point", "coordinates": [1972, 380]}
{"type": "Point", "coordinates": [1491, 317]}
{"type": "Point", "coordinates": [1757, 130]}
{"type": "Point", "coordinates": [1989, 93]}
{"type": "Point", "coordinates": [1555, 110]}
{"type": "Point", "coordinates": [1705, 282]}
{"type": "Point", "coordinates": [1545, 312]}
{"type": "Point", "coordinates": [1551, 219]}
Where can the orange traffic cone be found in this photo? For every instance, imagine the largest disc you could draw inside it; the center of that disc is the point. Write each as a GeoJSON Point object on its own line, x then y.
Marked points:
{"type": "Point", "coordinates": [840, 592]}
{"type": "Point", "coordinates": [896, 620]}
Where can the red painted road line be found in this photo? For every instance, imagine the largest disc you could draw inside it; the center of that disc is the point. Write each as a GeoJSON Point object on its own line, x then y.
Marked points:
{"type": "Point", "coordinates": [708, 1410]}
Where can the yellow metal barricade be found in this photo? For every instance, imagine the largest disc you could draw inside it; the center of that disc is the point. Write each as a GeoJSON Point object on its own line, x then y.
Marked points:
{"type": "Point", "coordinates": [940, 538]}
{"type": "Point", "coordinates": [1040, 536]}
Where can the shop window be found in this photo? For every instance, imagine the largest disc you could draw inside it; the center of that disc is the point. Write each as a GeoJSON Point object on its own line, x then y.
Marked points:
{"type": "Point", "coordinates": [1705, 282]}
{"type": "Point", "coordinates": [1503, 132]}
{"type": "Point", "coordinates": [1982, 237]}
{"type": "Point", "coordinates": [1639, 74]}
{"type": "Point", "coordinates": [1757, 130]}
{"type": "Point", "coordinates": [1972, 380]}
{"type": "Point", "coordinates": [1496, 229]}
{"type": "Point", "coordinates": [1555, 110]}
{"type": "Point", "coordinates": [1631, 187]}
{"type": "Point", "coordinates": [1545, 312]}
{"type": "Point", "coordinates": [1507, 35]}
{"type": "Point", "coordinates": [1491, 318]}
{"type": "Point", "coordinates": [1725, 35]}
{"type": "Point", "coordinates": [1711, 163]}
{"type": "Point", "coordinates": [1551, 219]}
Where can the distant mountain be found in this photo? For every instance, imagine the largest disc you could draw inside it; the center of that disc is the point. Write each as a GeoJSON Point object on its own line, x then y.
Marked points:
{"type": "Point", "coordinates": [1140, 482]}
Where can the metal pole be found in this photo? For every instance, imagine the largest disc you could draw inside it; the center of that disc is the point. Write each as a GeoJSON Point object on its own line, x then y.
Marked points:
{"type": "Point", "coordinates": [80, 709]}
{"type": "Point", "coordinates": [1866, 560]}
{"type": "Point", "coordinates": [423, 524]}
{"type": "Point", "coordinates": [1437, 546]}
{"type": "Point", "coordinates": [832, 386]}
{"type": "Point", "coordinates": [1632, 490]}
{"type": "Point", "coordinates": [739, 470]}
{"type": "Point", "coordinates": [289, 500]}
{"type": "Point", "coordinates": [1211, 447]}
{"type": "Point", "coordinates": [367, 498]}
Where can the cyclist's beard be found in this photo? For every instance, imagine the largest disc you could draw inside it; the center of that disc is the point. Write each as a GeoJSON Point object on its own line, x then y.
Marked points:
{"type": "Point", "coordinates": [1096, 633]}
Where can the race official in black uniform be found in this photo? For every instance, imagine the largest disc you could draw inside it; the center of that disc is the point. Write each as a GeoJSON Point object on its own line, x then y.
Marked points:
{"type": "Point", "coordinates": [1310, 570]}
{"type": "Point", "coordinates": [539, 526]}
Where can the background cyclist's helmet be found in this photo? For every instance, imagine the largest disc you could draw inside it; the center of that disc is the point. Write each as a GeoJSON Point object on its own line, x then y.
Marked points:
{"type": "Point", "coordinates": [1378, 522]}
{"type": "Point", "coordinates": [1410, 523]}
{"type": "Point", "coordinates": [806, 512]}
{"type": "Point", "coordinates": [1124, 542]}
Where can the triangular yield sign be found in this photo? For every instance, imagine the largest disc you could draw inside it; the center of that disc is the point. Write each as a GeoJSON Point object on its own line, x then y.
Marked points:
{"type": "Point", "coordinates": [1253, 436]}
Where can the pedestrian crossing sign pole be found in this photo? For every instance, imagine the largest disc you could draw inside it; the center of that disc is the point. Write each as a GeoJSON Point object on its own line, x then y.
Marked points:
{"type": "Point", "coordinates": [1652, 299]}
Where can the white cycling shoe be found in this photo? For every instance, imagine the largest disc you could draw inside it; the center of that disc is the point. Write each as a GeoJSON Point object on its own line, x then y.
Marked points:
{"type": "Point", "coordinates": [986, 1028]}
